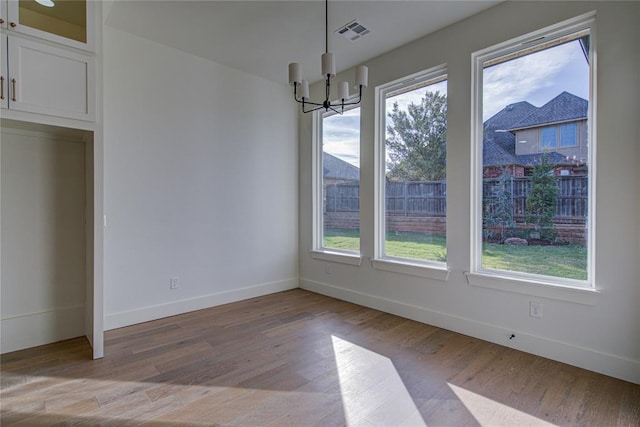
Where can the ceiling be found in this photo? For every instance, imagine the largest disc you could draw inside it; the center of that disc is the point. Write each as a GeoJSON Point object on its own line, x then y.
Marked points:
{"type": "Point", "coordinates": [263, 37]}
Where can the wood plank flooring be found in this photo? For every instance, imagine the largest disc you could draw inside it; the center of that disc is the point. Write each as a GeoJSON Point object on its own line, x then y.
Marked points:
{"type": "Point", "coordinates": [297, 358]}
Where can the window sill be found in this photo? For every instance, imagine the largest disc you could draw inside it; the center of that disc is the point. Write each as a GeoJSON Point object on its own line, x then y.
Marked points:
{"type": "Point", "coordinates": [335, 256]}
{"type": "Point", "coordinates": [410, 268]}
{"type": "Point", "coordinates": [549, 290]}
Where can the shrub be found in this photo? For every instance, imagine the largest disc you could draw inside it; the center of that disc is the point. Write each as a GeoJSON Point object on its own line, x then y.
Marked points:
{"type": "Point", "coordinates": [542, 200]}
{"type": "Point", "coordinates": [499, 212]}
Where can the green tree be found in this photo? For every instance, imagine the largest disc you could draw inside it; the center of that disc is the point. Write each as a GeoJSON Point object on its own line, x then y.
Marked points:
{"type": "Point", "coordinates": [542, 200]}
{"type": "Point", "coordinates": [417, 140]}
{"type": "Point", "coordinates": [499, 211]}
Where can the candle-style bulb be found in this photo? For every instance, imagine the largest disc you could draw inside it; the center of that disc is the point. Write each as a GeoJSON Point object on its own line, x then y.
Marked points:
{"type": "Point", "coordinates": [362, 76]}
{"type": "Point", "coordinates": [295, 76]}
{"type": "Point", "coordinates": [343, 92]}
{"type": "Point", "coordinates": [328, 65]}
{"type": "Point", "coordinates": [304, 91]}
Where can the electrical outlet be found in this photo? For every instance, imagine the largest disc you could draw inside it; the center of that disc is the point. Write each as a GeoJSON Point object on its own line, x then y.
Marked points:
{"type": "Point", "coordinates": [174, 283]}
{"type": "Point", "coordinates": [535, 309]}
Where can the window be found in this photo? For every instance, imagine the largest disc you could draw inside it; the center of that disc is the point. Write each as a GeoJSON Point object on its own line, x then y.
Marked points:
{"type": "Point", "coordinates": [568, 135]}
{"type": "Point", "coordinates": [411, 170]}
{"type": "Point", "coordinates": [338, 182]}
{"type": "Point", "coordinates": [549, 137]}
{"type": "Point", "coordinates": [534, 226]}
{"type": "Point", "coordinates": [566, 132]}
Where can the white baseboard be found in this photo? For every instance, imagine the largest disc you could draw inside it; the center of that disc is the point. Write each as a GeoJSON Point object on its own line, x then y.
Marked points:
{"type": "Point", "coordinates": [604, 363]}
{"type": "Point", "coordinates": [145, 314]}
{"type": "Point", "coordinates": [34, 329]}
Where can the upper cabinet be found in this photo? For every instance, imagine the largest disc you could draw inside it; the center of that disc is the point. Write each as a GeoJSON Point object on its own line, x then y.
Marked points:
{"type": "Point", "coordinates": [66, 22]}
{"type": "Point", "coordinates": [49, 80]}
{"type": "Point", "coordinates": [48, 60]}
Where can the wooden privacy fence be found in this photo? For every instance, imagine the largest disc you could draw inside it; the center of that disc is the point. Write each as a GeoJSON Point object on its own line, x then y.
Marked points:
{"type": "Point", "coordinates": [342, 197]}
{"type": "Point", "coordinates": [416, 198]}
{"type": "Point", "coordinates": [571, 202]}
{"type": "Point", "coordinates": [429, 198]}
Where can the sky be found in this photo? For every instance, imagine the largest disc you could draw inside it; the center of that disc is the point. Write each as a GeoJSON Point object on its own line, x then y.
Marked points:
{"type": "Point", "coordinates": [536, 78]}
{"type": "Point", "coordinates": [341, 136]}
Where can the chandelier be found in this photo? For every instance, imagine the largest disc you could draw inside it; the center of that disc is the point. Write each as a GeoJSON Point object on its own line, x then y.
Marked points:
{"type": "Point", "coordinates": [301, 87]}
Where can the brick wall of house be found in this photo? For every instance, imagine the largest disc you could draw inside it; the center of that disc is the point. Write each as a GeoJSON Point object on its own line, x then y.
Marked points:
{"type": "Point", "coordinates": [497, 171]}
{"type": "Point", "coordinates": [570, 230]}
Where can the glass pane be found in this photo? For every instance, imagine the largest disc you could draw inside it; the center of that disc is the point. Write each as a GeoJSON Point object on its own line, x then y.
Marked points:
{"type": "Point", "coordinates": [66, 18]}
{"type": "Point", "coordinates": [416, 181]}
{"type": "Point", "coordinates": [535, 198]}
{"type": "Point", "coordinates": [568, 135]}
{"type": "Point", "coordinates": [549, 137]}
{"type": "Point", "coordinates": [341, 180]}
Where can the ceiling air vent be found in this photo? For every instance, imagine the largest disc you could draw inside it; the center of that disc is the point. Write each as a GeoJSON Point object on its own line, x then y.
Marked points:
{"type": "Point", "coordinates": [353, 30]}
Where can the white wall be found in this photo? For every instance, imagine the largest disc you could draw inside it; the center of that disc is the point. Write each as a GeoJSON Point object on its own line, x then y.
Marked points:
{"type": "Point", "coordinates": [43, 238]}
{"type": "Point", "coordinates": [200, 182]}
{"type": "Point", "coordinates": [604, 336]}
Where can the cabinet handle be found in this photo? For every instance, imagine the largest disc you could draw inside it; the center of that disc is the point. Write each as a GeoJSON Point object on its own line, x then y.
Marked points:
{"type": "Point", "coordinates": [13, 86]}
{"type": "Point", "coordinates": [1, 21]}
{"type": "Point", "coordinates": [13, 25]}
{"type": "Point", "coordinates": [1, 87]}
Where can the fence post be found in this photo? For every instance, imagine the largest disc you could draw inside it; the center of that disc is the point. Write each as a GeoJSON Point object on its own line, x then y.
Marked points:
{"type": "Point", "coordinates": [405, 188]}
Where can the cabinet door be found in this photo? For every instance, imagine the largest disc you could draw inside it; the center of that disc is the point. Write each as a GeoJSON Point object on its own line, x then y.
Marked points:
{"type": "Point", "coordinates": [52, 81]}
{"type": "Point", "coordinates": [4, 80]}
{"type": "Point", "coordinates": [3, 13]}
{"type": "Point", "coordinates": [65, 22]}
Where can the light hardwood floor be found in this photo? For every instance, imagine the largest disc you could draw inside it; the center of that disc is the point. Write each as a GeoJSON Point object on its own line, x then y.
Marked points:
{"type": "Point", "coordinates": [298, 358]}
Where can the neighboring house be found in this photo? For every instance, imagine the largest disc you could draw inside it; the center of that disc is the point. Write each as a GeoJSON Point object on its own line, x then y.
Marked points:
{"type": "Point", "coordinates": [337, 171]}
{"type": "Point", "coordinates": [517, 137]}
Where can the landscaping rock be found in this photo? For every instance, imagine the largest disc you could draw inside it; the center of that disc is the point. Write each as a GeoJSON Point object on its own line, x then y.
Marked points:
{"type": "Point", "coordinates": [516, 241]}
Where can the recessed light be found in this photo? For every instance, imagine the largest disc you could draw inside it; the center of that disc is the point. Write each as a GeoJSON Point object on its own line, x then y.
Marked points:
{"type": "Point", "coordinates": [46, 3]}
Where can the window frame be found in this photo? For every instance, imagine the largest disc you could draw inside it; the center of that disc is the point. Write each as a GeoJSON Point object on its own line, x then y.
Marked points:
{"type": "Point", "coordinates": [561, 128]}
{"type": "Point", "coordinates": [414, 267]}
{"type": "Point", "coordinates": [319, 251]}
{"type": "Point", "coordinates": [579, 291]}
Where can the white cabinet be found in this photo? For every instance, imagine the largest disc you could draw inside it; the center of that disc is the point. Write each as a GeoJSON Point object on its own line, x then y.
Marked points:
{"type": "Point", "coordinates": [3, 14]}
{"type": "Point", "coordinates": [47, 66]}
{"type": "Point", "coordinates": [48, 80]}
{"type": "Point", "coordinates": [4, 85]}
{"type": "Point", "coordinates": [66, 22]}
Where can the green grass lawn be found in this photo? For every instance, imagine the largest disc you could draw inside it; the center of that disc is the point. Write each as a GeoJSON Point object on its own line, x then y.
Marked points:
{"type": "Point", "coordinates": [569, 261]}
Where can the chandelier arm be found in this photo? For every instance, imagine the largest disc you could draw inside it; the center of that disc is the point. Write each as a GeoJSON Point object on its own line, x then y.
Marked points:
{"type": "Point", "coordinates": [301, 101]}
{"type": "Point", "coordinates": [352, 103]}
{"type": "Point", "coordinates": [295, 91]}
{"type": "Point", "coordinates": [355, 102]}
{"type": "Point", "coordinates": [313, 109]}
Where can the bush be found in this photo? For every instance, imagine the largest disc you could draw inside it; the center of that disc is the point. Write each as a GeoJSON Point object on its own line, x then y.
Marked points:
{"type": "Point", "coordinates": [499, 210]}
{"type": "Point", "coordinates": [541, 202]}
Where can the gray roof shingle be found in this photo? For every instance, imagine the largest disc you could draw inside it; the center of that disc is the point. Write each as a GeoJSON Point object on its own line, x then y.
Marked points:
{"type": "Point", "coordinates": [563, 108]}
{"type": "Point", "coordinates": [553, 158]}
{"type": "Point", "coordinates": [336, 168]}
{"type": "Point", "coordinates": [499, 148]}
